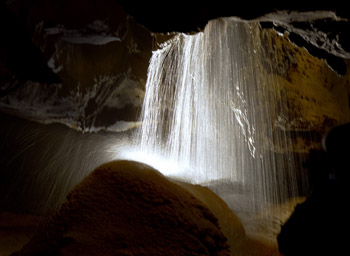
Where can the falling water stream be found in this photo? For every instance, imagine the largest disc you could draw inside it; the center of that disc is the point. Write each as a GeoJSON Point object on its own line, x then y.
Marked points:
{"type": "Point", "coordinates": [209, 115]}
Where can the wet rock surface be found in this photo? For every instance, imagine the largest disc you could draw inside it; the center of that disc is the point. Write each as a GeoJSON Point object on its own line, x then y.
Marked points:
{"type": "Point", "coordinates": [129, 208]}
{"type": "Point", "coordinates": [85, 64]}
{"type": "Point", "coordinates": [314, 96]}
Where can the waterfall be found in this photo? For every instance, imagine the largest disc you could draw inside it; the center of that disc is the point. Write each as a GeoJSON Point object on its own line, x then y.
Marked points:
{"type": "Point", "coordinates": [210, 112]}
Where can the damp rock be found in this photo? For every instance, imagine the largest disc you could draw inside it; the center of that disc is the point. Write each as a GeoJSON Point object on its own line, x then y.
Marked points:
{"type": "Point", "coordinates": [129, 208]}
{"type": "Point", "coordinates": [100, 63]}
{"type": "Point", "coordinates": [314, 94]}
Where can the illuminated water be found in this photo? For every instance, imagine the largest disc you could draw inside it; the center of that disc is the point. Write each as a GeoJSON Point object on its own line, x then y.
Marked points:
{"type": "Point", "coordinates": [210, 113]}
{"type": "Point", "coordinates": [210, 116]}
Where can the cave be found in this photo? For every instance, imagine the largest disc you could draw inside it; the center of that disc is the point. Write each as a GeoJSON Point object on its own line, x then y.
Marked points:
{"type": "Point", "coordinates": [170, 128]}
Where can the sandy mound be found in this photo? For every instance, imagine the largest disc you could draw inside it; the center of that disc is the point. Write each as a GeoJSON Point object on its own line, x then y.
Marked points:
{"type": "Point", "coordinates": [127, 208]}
{"type": "Point", "coordinates": [229, 223]}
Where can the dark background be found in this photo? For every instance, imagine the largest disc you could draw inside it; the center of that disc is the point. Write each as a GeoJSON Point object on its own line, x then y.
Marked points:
{"type": "Point", "coordinates": [185, 16]}
{"type": "Point", "coordinates": [19, 56]}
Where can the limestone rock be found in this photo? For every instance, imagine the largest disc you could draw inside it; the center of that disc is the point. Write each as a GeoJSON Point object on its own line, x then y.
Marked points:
{"type": "Point", "coordinates": [316, 98]}
{"type": "Point", "coordinates": [311, 81]}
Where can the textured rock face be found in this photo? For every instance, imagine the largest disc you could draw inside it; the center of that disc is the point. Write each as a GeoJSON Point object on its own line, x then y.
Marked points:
{"type": "Point", "coordinates": [84, 64]}
{"type": "Point", "coordinates": [315, 93]}
{"type": "Point", "coordinates": [97, 66]}
{"type": "Point", "coordinates": [100, 58]}
{"type": "Point", "coordinates": [127, 208]}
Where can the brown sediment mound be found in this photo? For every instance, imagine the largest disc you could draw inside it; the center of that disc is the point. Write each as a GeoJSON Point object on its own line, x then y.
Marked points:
{"type": "Point", "coordinates": [229, 223]}
{"type": "Point", "coordinates": [127, 208]}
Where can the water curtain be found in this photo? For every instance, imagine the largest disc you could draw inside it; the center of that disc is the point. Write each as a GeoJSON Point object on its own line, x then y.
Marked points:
{"type": "Point", "coordinates": [210, 109]}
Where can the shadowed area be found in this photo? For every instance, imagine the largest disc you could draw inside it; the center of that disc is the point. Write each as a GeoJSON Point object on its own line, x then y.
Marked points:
{"type": "Point", "coordinates": [230, 99]}
{"type": "Point", "coordinates": [127, 208]}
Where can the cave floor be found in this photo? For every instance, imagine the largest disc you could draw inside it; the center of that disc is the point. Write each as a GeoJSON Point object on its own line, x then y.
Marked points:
{"type": "Point", "coordinates": [15, 231]}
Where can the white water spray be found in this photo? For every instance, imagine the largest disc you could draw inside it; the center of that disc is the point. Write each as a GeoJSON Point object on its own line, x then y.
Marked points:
{"type": "Point", "coordinates": [210, 109]}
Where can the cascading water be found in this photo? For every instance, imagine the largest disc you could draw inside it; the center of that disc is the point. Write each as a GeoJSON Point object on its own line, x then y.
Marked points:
{"type": "Point", "coordinates": [209, 113]}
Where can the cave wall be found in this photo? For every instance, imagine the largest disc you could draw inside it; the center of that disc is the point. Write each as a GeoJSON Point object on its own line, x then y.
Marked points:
{"type": "Point", "coordinates": [315, 96]}
{"type": "Point", "coordinates": [96, 52]}
{"type": "Point", "coordinates": [84, 63]}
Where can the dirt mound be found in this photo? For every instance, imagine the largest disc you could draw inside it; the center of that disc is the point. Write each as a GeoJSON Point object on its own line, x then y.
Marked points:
{"type": "Point", "coordinates": [127, 208]}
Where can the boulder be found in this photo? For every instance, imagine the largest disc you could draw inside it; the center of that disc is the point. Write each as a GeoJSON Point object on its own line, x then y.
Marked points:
{"type": "Point", "coordinates": [127, 208]}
